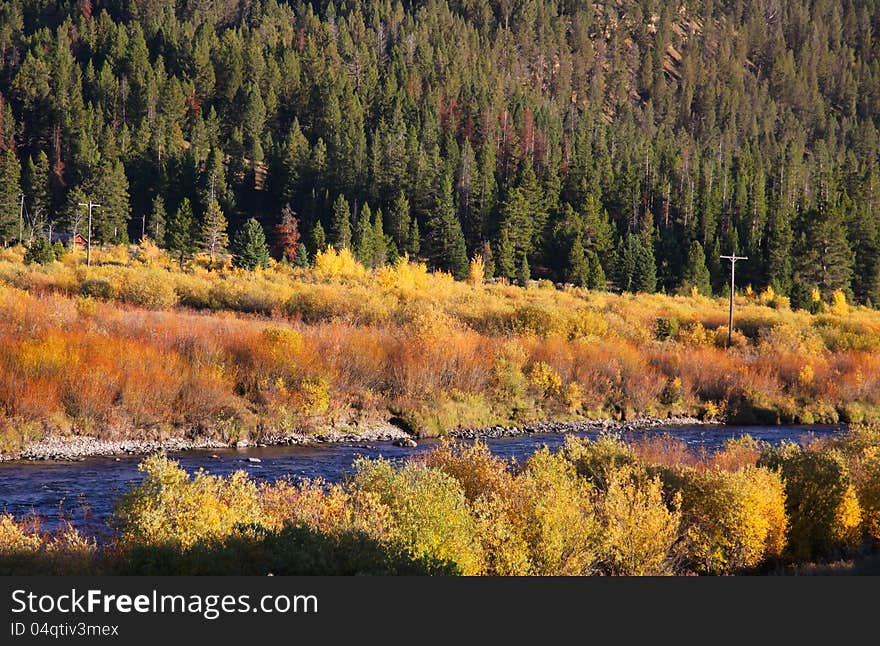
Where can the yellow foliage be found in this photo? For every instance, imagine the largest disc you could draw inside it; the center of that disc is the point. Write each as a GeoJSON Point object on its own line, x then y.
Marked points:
{"type": "Point", "coordinates": [14, 540]}
{"type": "Point", "coordinates": [735, 519]}
{"type": "Point", "coordinates": [545, 380]}
{"type": "Point", "coordinates": [806, 376]}
{"type": "Point", "coordinates": [170, 507]}
{"type": "Point", "coordinates": [476, 271]}
{"type": "Point", "coordinates": [430, 512]}
{"type": "Point", "coordinates": [839, 306]}
{"type": "Point", "coordinates": [332, 264]}
{"type": "Point", "coordinates": [640, 531]}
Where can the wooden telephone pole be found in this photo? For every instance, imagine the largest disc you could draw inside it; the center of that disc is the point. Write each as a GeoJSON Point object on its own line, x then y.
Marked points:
{"type": "Point", "coordinates": [91, 205]}
{"type": "Point", "coordinates": [732, 260]}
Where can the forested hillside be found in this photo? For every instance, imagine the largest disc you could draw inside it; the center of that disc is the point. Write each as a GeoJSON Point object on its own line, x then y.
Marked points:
{"type": "Point", "coordinates": [622, 145]}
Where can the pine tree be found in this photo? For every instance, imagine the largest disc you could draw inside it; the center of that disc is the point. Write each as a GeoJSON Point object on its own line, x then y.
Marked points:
{"type": "Point", "coordinates": [779, 248]}
{"type": "Point", "coordinates": [596, 278]}
{"type": "Point", "coordinates": [318, 237]}
{"type": "Point", "coordinates": [214, 236]}
{"type": "Point", "coordinates": [340, 225]}
{"type": "Point", "coordinates": [302, 257]}
{"type": "Point", "coordinates": [40, 251]}
{"type": "Point", "coordinates": [363, 244]}
{"type": "Point", "coordinates": [645, 277]}
{"type": "Point", "coordinates": [636, 270]}
{"type": "Point", "coordinates": [10, 195]}
{"type": "Point", "coordinates": [578, 271]}
{"type": "Point", "coordinates": [447, 249]}
{"type": "Point", "coordinates": [696, 275]}
{"type": "Point", "coordinates": [523, 273]}
{"type": "Point", "coordinates": [414, 239]}
{"type": "Point", "coordinates": [249, 247]}
{"type": "Point", "coordinates": [399, 220]}
{"type": "Point", "coordinates": [179, 236]}
{"type": "Point", "coordinates": [37, 191]}
{"type": "Point", "coordinates": [505, 263]}
{"type": "Point", "coordinates": [826, 257]}
{"type": "Point", "coordinates": [157, 221]}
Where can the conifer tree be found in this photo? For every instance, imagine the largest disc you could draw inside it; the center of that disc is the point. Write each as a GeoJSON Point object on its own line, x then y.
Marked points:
{"type": "Point", "coordinates": [505, 264]}
{"type": "Point", "coordinates": [318, 237]}
{"type": "Point", "coordinates": [157, 226]}
{"type": "Point", "coordinates": [696, 275]}
{"type": "Point", "coordinates": [380, 240]}
{"type": "Point", "coordinates": [287, 235]}
{"type": "Point", "coordinates": [414, 239]}
{"type": "Point", "coordinates": [302, 257]}
{"type": "Point", "coordinates": [214, 237]}
{"type": "Point", "coordinates": [179, 236]}
{"type": "Point", "coordinates": [447, 249]}
{"type": "Point", "coordinates": [363, 244]}
{"type": "Point", "coordinates": [340, 225]}
{"type": "Point", "coordinates": [249, 247]}
{"type": "Point", "coordinates": [10, 195]}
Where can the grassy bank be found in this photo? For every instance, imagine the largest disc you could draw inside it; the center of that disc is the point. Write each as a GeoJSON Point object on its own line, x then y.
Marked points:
{"type": "Point", "coordinates": [136, 347]}
{"type": "Point", "coordinates": [593, 507]}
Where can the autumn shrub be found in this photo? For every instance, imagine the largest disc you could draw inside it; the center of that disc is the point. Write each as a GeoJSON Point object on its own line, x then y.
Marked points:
{"type": "Point", "coordinates": [599, 459]}
{"type": "Point", "coordinates": [640, 530]}
{"type": "Point", "coordinates": [149, 289]}
{"type": "Point", "coordinates": [429, 509]}
{"type": "Point", "coordinates": [97, 287]}
{"type": "Point", "coordinates": [821, 503]}
{"type": "Point", "coordinates": [27, 551]}
{"type": "Point", "coordinates": [734, 520]}
{"type": "Point", "coordinates": [478, 471]}
{"type": "Point", "coordinates": [860, 447]}
{"type": "Point", "coordinates": [171, 507]}
{"type": "Point", "coordinates": [556, 516]}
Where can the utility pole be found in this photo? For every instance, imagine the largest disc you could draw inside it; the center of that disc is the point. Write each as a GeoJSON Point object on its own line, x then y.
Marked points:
{"type": "Point", "coordinates": [732, 260]}
{"type": "Point", "coordinates": [91, 205]}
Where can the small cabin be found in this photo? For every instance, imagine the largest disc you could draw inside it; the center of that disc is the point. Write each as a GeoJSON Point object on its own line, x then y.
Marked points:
{"type": "Point", "coordinates": [69, 239]}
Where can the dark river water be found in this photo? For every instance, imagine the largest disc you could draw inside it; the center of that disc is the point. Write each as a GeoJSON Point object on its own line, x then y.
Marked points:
{"type": "Point", "coordinates": [84, 492]}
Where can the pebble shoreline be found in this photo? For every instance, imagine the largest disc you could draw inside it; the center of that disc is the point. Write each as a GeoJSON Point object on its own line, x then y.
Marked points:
{"type": "Point", "coordinates": [81, 447]}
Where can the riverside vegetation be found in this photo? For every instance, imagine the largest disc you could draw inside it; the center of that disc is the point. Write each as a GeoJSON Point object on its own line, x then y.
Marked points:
{"type": "Point", "coordinates": [593, 507]}
{"type": "Point", "coordinates": [136, 347]}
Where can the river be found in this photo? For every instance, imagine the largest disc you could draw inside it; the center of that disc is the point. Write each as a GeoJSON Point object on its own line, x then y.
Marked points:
{"type": "Point", "coordinates": [84, 492]}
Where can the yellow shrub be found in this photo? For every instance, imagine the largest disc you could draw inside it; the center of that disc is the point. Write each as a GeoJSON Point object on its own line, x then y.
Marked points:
{"type": "Point", "coordinates": [331, 264]}
{"type": "Point", "coordinates": [150, 289]}
{"type": "Point", "coordinates": [429, 509]}
{"type": "Point", "coordinates": [839, 306]}
{"type": "Point", "coordinates": [315, 396]}
{"type": "Point", "coordinates": [547, 382]}
{"type": "Point", "coordinates": [553, 511]}
{"type": "Point", "coordinates": [170, 507]}
{"type": "Point", "coordinates": [823, 510]}
{"type": "Point", "coordinates": [476, 271]}
{"type": "Point", "coordinates": [639, 529]}
{"type": "Point", "coordinates": [14, 540]}
{"type": "Point", "coordinates": [735, 520]}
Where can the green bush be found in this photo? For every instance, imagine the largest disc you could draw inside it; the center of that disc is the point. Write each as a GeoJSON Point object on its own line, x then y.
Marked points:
{"type": "Point", "coordinates": [666, 328]}
{"type": "Point", "coordinates": [97, 288]}
{"type": "Point", "coordinates": [40, 252]}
